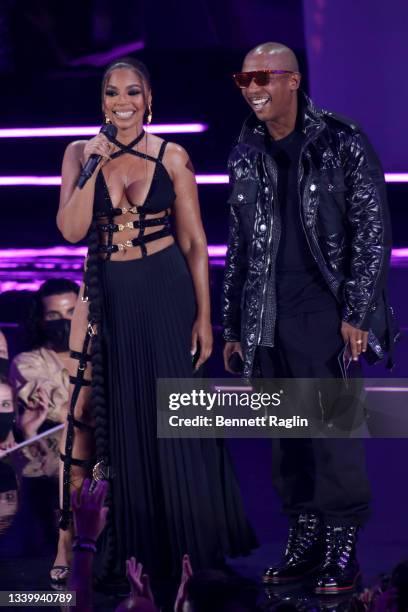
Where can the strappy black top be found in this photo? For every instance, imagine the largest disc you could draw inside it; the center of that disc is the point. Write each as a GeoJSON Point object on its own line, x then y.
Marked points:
{"type": "Point", "coordinates": [160, 197]}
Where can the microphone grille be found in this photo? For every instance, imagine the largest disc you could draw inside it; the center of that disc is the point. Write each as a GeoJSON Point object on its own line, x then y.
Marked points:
{"type": "Point", "coordinates": [109, 130]}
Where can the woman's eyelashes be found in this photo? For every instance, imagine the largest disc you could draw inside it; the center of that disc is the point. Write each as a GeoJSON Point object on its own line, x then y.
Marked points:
{"type": "Point", "coordinates": [132, 92]}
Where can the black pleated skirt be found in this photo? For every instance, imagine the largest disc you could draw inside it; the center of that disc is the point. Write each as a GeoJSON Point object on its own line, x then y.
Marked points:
{"type": "Point", "coordinates": [169, 497]}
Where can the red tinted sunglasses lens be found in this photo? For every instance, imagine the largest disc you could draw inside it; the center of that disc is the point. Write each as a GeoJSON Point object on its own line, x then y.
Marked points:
{"type": "Point", "coordinates": [261, 77]}
{"type": "Point", "coordinates": [243, 79]}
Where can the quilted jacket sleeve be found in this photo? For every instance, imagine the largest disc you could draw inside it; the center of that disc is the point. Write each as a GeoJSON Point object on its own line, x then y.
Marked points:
{"type": "Point", "coordinates": [368, 217]}
{"type": "Point", "coordinates": [235, 269]}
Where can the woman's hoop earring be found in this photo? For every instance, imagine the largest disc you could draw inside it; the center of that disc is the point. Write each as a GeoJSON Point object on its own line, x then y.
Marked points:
{"type": "Point", "coordinates": [149, 114]}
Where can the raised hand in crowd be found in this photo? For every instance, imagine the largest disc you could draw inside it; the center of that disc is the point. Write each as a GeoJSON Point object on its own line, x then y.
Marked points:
{"type": "Point", "coordinates": [141, 598]}
{"type": "Point", "coordinates": [34, 415]}
{"type": "Point", "coordinates": [7, 444]}
{"type": "Point", "coordinates": [3, 347]}
{"type": "Point", "coordinates": [89, 510]}
{"type": "Point", "coordinates": [89, 521]}
{"type": "Point", "coordinates": [187, 572]}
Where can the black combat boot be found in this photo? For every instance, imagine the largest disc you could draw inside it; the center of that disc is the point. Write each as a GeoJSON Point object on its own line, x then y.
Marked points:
{"type": "Point", "coordinates": [303, 553]}
{"type": "Point", "coordinates": [339, 572]}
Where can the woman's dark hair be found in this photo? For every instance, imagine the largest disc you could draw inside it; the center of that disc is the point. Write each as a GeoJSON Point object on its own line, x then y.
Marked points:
{"type": "Point", "coordinates": [132, 64]}
{"type": "Point", "coordinates": [98, 387]}
{"type": "Point", "coordinates": [53, 286]}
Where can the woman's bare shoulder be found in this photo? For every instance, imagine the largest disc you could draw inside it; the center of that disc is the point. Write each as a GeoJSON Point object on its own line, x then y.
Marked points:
{"type": "Point", "coordinates": [75, 150]}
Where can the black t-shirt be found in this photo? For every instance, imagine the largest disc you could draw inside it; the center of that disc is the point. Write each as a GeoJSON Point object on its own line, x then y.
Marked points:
{"type": "Point", "coordinates": [300, 286]}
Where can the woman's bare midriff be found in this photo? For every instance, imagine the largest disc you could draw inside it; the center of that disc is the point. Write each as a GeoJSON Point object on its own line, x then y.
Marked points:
{"type": "Point", "coordinates": [135, 252]}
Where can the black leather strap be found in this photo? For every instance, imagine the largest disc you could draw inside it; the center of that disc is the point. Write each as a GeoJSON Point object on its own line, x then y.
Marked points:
{"type": "Point", "coordinates": [137, 242]}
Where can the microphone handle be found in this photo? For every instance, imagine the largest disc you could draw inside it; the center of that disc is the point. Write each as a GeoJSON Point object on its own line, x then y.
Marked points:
{"type": "Point", "coordinates": [88, 170]}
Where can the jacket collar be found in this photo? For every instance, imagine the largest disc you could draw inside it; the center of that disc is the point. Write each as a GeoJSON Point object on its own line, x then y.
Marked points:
{"type": "Point", "coordinates": [253, 131]}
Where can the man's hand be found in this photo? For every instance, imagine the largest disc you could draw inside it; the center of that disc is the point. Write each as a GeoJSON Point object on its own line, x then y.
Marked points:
{"type": "Point", "coordinates": [356, 338]}
{"type": "Point", "coordinates": [88, 509]}
{"type": "Point", "coordinates": [229, 349]}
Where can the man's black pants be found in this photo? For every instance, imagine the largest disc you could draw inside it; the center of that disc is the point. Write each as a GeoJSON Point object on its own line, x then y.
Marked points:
{"type": "Point", "coordinates": [326, 476]}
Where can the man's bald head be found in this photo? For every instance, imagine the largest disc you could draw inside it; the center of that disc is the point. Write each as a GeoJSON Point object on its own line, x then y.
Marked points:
{"type": "Point", "coordinates": [272, 55]}
{"type": "Point", "coordinates": [272, 95]}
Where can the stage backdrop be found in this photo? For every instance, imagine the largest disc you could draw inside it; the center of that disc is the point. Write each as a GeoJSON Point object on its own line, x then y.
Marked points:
{"type": "Point", "coordinates": [357, 55]}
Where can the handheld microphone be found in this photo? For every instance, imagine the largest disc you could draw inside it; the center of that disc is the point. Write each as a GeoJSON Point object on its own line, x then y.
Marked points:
{"type": "Point", "coordinates": [110, 132]}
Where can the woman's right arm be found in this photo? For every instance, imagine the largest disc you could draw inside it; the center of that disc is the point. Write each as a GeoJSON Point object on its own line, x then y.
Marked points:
{"type": "Point", "coordinates": [75, 208]}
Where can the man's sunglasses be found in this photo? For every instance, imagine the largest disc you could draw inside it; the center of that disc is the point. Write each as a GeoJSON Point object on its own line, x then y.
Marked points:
{"type": "Point", "coordinates": [261, 77]}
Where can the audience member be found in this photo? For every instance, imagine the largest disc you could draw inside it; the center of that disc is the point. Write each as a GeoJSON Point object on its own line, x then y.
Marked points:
{"type": "Point", "coordinates": [4, 355]}
{"type": "Point", "coordinates": [7, 415]}
{"type": "Point", "coordinates": [8, 496]}
{"type": "Point", "coordinates": [40, 375]}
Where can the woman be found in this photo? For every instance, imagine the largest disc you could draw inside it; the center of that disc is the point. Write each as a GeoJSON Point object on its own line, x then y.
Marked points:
{"type": "Point", "coordinates": [7, 415]}
{"type": "Point", "coordinates": [149, 315]}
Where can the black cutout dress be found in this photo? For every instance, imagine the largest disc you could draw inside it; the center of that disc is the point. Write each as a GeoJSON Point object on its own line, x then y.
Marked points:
{"type": "Point", "coordinates": [169, 497]}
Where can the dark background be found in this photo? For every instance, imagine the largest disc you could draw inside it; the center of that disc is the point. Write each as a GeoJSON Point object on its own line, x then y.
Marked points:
{"type": "Point", "coordinates": [52, 55]}
{"type": "Point", "coordinates": [353, 59]}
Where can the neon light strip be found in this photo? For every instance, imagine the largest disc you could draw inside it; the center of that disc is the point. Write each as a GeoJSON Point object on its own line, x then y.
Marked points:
{"type": "Point", "coordinates": [91, 130]}
{"type": "Point", "coordinates": [396, 177]}
{"type": "Point", "coordinates": [43, 434]}
{"type": "Point", "coordinates": [387, 389]}
{"type": "Point", "coordinates": [214, 250]}
{"type": "Point", "coordinates": [202, 179]}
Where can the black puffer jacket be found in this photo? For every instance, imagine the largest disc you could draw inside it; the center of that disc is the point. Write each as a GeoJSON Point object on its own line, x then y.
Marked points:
{"type": "Point", "coordinates": [344, 213]}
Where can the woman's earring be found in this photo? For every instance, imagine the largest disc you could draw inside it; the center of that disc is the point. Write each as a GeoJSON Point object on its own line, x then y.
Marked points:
{"type": "Point", "coordinates": [107, 120]}
{"type": "Point", "coordinates": [149, 114]}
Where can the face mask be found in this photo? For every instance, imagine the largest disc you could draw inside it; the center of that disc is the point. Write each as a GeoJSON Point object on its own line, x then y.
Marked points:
{"type": "Point", "coordinates": [4, 366]}
{"type": "Point", "coordinates": [6, 424]}
{"type": "Point", "coordinates": [57, 334]}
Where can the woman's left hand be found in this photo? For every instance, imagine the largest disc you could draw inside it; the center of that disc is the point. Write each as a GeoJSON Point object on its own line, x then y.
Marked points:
{"type": "Point", "coordinates": [202, 339]}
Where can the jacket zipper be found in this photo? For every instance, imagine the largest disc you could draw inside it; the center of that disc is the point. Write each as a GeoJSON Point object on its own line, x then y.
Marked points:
{"type": "Point", "coordinates": [319, 261]}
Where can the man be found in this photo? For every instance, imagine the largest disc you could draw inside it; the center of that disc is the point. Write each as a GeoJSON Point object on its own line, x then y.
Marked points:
{"type": "Point", "coordinates": [309, 247]}
{"type": "Point", "coordinates": [40, 376]}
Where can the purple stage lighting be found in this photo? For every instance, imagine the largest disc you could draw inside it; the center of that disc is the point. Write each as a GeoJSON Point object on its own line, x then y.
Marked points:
{"type": "Point", "coordinates": [202, 179]}
{"type": "Point", "coordinates": [214, 250]}
{"type": "Point", "coordinates": [91, 130]}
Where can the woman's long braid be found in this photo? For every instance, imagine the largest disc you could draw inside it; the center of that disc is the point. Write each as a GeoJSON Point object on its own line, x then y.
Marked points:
{"type": "Point", "coordinates": [99, 407]}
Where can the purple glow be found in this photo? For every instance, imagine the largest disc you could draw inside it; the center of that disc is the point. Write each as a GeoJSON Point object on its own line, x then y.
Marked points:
{"type": "Point", "coordinates": [58, 251]}
{"type": "Point", "coordinates": [91, 130]}
{"type": "Point", "coordinates": [34, 181]}
{"type": "Point", "coordinates": [214, 250]}
{"type": "Point", "coordinates": [202, 179]}
{"type": "Point", "coordinates": [232, 388]}
{"type": "Point", "coordinates": [101, 59]}
{"type": "Point", "coordinates": [387, 389]}
{"type": "Point", "coordinates": [396, 177]}
{"type": "Point", "coordinates": [399, 253]}
{"type": "Point", "coordinates": [212, 179]}
{"type": "Point", "coordinates": [217, 250]}
{"type": "Point", "coordinates": [20, 286]}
